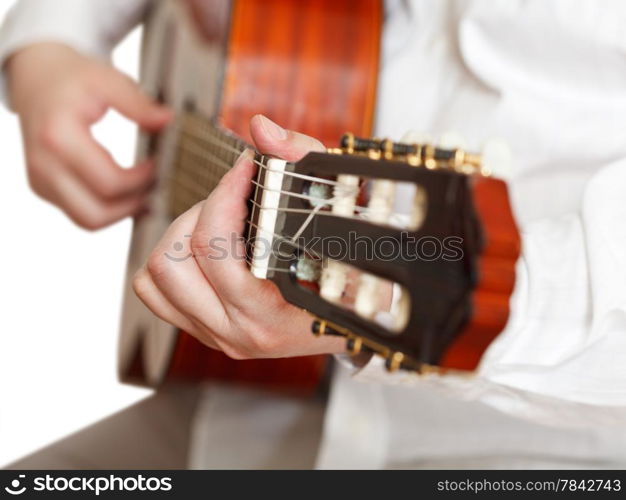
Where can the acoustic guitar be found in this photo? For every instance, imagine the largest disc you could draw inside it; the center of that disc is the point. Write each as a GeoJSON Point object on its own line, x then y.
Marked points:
{"type": "Point", "coordinates": [424, 283]}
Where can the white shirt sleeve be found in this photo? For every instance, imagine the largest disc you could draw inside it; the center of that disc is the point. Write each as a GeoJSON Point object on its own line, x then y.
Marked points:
{"type": "Point", "coordinates": [93, 27]}
{"type": "Point", "coordinates": [565, 341]}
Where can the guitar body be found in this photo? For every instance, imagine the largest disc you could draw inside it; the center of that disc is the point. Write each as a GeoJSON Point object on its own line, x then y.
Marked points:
{"type": "Point", "coordinates": [310, 65]}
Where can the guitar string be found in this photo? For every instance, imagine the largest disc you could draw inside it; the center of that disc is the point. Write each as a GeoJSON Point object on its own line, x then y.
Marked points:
{"type": "Point", "coordinates": [254, 241]}
{"type": "Point", "coordinates": [284, 237]}
{"type": "Point", "coordinates": [195, 190]}
{"type": "Point", "coordinates": [203, 124]}
{"type": "Point", "coordinates": [324, 201]}
{"type": "Point", "coordinates": [202, 152]}
{"type": "Point", "coordinates": [222, 164]}
{"type": "Point", "coordinates": [212, 138]}
{"type": "Point", "coordinates": [225, 165]}
{"type": "Point", "coordinates": [317, 180]}
{"type": "Point", "coordinates": [349, 279]}
{"type": "Point", "coordinates": [251, 223]}
{"type": "Point", "coordinates": [185, 182]}
{"type": "Point", "coordinates": [219, 162]}
{"type": "Point", "coordinates": [311, 213]}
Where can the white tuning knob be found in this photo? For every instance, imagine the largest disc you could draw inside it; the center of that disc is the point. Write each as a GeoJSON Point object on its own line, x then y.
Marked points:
{"type": "Point", "coordinates": [452, 140]}
{"type": "Point", "coordinates": [412, 137]}
{"type": "Point", "coordinates": [496, 158]}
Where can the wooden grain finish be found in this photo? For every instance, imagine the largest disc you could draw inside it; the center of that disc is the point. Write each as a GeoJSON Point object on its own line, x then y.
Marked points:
{"type": "Point", "coordinates": [194, 361]}
{"type": "Point", "coordinates": [311, 66]}
{"type": "Point", "coordinates": [496, 276]}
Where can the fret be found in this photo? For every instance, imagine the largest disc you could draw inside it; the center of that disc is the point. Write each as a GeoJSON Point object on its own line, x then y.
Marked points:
{"type": "Point", "coordinates": [255, 202]}
{"type": "Point", "coordinates": [204, 152]}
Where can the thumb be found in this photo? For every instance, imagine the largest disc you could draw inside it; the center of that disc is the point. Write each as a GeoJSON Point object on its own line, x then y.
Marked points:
{"type": "Point", "coordinates": [125, 95]}
{"type": "Point", "coordinates": [274, 140]}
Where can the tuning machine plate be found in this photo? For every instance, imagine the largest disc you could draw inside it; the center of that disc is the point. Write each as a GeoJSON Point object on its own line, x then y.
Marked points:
{"type": "Point", "coordinates": [394, 360]}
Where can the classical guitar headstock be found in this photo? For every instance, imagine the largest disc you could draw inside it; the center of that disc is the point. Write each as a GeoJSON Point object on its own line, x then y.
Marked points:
{"type": "Point", "coordinates": [408, 250]}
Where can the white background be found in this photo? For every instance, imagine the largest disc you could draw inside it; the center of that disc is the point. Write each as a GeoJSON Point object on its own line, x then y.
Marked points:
{"type": "Point", "coordinates": [60, 299]}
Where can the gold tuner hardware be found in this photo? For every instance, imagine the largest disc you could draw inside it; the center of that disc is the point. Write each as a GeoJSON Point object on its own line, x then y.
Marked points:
{"type": "Point", "coordinates": [354, 345]}
{"type": "Point", "coordinates": [321, 327]}
{"type": "Point", "coordinates": [430, 161]}
{"type": "Point", "coordinates": [425, 369]}
{"type": "Point", "coordinates": [394, 361]}
{"type": "Point", "coordinates": [387, 149]}
{"type": "Point", "coordinates": [347, 143]}
{"type": "Point", "coordinates": [473, 159]}
{"type": "Point", "coordinates": [416, 154]}
{"type": "Point", "coordinates": [414, 157]}
{"type": "Point", "coordinates": [459, 159]}
{"type": "Point", "coordinates": [374, 153]}
{"type": "Point", "coordinates": [318, 327]}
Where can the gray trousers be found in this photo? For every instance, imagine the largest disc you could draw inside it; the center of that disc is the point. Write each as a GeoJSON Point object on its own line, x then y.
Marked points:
{"type": "Point", "coordinates": [182, 427]}
{"type": "Point", "coordinates": [151, 434]}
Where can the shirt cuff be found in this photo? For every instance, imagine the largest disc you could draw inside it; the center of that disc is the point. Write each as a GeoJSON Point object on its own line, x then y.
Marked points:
{"type": "Point", "coordinates": [91, 27]}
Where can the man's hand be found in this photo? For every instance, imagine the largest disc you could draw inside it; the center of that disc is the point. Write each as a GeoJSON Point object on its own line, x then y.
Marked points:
{"type": "Point", "coordinates": [58, 94]}
{"type": "Point", "coordinates": [218, 300]}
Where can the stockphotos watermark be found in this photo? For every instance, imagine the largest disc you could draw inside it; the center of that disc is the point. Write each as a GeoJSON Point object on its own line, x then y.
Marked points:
{"type": "Point", "coordinates": [94, 485]}
{"type": "Point", "coordinates": [407, 247]}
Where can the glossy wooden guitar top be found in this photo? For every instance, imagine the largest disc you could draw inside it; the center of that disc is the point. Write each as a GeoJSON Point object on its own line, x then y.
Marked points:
{"type": "Point", "coordinates": [496, 276]}
{"type": "Point", "coordinates": [310, 65]}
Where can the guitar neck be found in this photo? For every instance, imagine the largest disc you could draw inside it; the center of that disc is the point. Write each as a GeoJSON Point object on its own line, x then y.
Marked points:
{"type": "Point", "coordinates": [205, 152]}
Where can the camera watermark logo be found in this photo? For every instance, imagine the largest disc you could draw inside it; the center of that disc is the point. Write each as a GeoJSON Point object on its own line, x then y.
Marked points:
{"type": "Point", "coordinates": [406, 247]}
{"type": "Point", "coordinates": [178, 247]}
{"type": "Point", "coordinates": [16, 487]}
{"type": "Point", "coordinates": [95, 485]}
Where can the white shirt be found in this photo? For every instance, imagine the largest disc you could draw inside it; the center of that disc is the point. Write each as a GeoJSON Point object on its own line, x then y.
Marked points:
{"type": "Point", "coordinates": [550, 79]}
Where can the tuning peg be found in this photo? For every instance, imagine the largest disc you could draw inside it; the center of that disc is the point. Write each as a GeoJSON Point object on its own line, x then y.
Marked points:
{"type": "Point", "coordinates": [354, 345]}
{"type": "Point", "coordinates": [320, 327]}
{"type": "Point", "coordinates": [452, 140]}
{"type": "Point", "coordinates": [496, 158]}
{"type": "Point", "coordinates": [393, 361]}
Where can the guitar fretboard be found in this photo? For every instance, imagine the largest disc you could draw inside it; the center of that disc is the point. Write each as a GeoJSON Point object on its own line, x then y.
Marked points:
{"type": "Point", "coordinates": [204, 153]}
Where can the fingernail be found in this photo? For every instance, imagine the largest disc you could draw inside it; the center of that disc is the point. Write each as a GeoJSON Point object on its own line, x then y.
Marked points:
{"type": "Point", "coordinates": [273, 130]}
{"type": "Point", "coordinates": [246, 154]}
